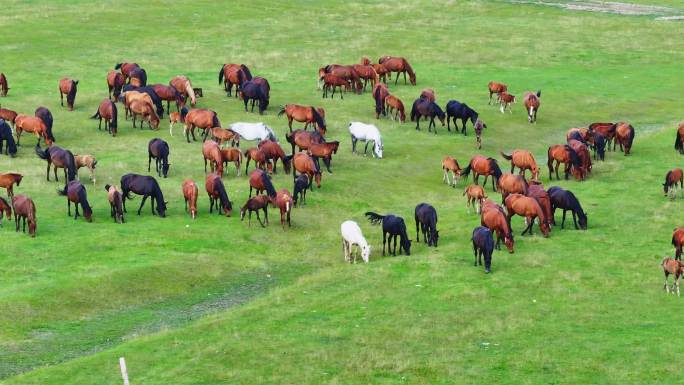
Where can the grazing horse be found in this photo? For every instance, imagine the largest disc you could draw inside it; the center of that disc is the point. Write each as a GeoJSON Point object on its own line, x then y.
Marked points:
{"type": "Point", "coordinates": [25, 209]}
{"type": "Point", "coordinates": [217, 195]}
{"type": "Point", "coordinates": [517, 204]}
{"type": "Point", "coordinates": [107, 111]}
{"type": "Point", "coordinates": [423, 108]}
{"type": "Point", "coordinates": [170, 94]}
{"type": "Point", "coordinates": [159, 150]}
{"type": "Point", "coordinates": [624, 136]}
{"type": "Point", "coordinates": [6, 136]}
{"type": "Point", "coordinates": [129, 96]}
{"type": "Point", "coordinates": [153, 97]}
{"type": "Point", "coordinates": [190, 193]}
{"type": "Point", "coordinates": [332, 81]}
{"type": "Point", "coordinates": [483, 245]}
{"type": "Point", "coordinates": [263, 83]}
{"type": "Point", "coordinates": [492, 216]}
{"type": "Point", "coordinates": [673, 177]}
{"type": "Point", "coordinates": [285, 203]}
{"type": "Point", "coordinates": [174, 117]}
{"type": "Point", "coordinates": [137, 77]}
{"type": "Point", "coordinates": [599, 145]}
{"type": "Point", "coordinates": [506, 100]}
{"type": "Point", "coordinates": [46, 116]}
{"type": "Point", "coordinates": [524, 160]}
{"type": "Point", "coordinates": [679, 139]}
{"type": "Point", "coordinates": [394, 226]}
{"type": "Point", "coordinates": [584, 156]}
{"type": "Point", "coordinates": [88, 161]}
{"type": "Point", "coordinates": [306, 114]}
{"type": "Point", "coordinates": [6, 208]}
{"type": "Point", "coordinates": [496, 88]}
{"type": "Point", "coordinates": [450, 164]}
{"type": "Point", "coordinates": [8, 115]}
{"type": "Point", "coordinates": [537, 192]}
{"type": "Point", "coordinates": [366, 133]}
{"type": "Point", "coordinates": [481, 165]}
{"type": "Point", "coordinates": [76, 193]}
{"type": "Point", "coordinates": [254, 92]}
{"type": "Point", "coordinates": [68, 86]}
{"type": "Point", "coordinates": [380, 93]}
{"type": "Point", "coordinates": [343, 72]}
{"type": "Point", "coordinates": [367, 73]}
{"type": "Point", "coordinates": [511, 184]}
{"type": "Point", "coordinates": [304, 164]}
{"type": "Point", "coordinates": [273, 151]}
{"type": "Point", "coordinates": [60, 158]}
{"type": "Point", "coordinates": [261, 182]}
{"type": "Point", "coordinates": [35, 125]}
{"type": "Point", "coordinates": [259, 158]}
{"type": "Point", "coordinates": [531, 103]}
{"type": "Point", "coordinates": [184, 86]}
{"type": "Point", "coordinates": [233, 74]}
{"type": "Point", "coordinates": [3, 85]}
{"type": "Point", "coordinates": [146, 112]}
{"type": "Point", "coordinates": [126, 68]}
{"type": "Point", "coordinates": [398, 65]}
{"type": "Point", "coordinates": [674, 267]}
{"type": "Point", "coordinates": [428, 94]}
{"type": "Point", "coordinates": [115, 82]}
{"type": "Point", "coordinates": [303, 139]}
{"type": "Point", "coordinates": [301, 184]}
{"type": "Point", "coordinates": [253, 131]}
{"type": "Point", "coordinates": [607, 130]}
{"type": "Point", "coordinates": [146, 186]}
{"type": "Point", "coordinates": [456, 110]}
{"type": "Point", "coordinates": [678, 241]}
{"type": "Point", "coordinates": [200, 118]}
{"type": "Point", "coordinates": [393, 103]}
{"type": "Point", "coordinates": [352, 235]}
{"type": "Point", "coordinates": [222, 135]}
{"type": "Point", "coordinates": [234, 155]}
{"type": "Point", "coordinates": [325, 151]}
{"type": "Point", "coordinates": [115, 202]}
{"type": "Point", "coordinates": [563, 153]}
{"type": "Point", "coordinates": [259, 202]}
{"type": "Point", "coordinates": [382, 71]}
{"type": "Point", "coordinates": [426, 217]}
{"type": "Point", "coordinates": [566, 200]}
{"type": "Point", "coordinates": [212, 152]}
{"type": "Point", "coordinates": [476, 195]}
{"type": "Point", "coordinates": [7, 181]}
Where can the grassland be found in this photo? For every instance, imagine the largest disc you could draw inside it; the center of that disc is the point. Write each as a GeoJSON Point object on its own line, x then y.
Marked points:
{"type": "Point", "coordinates": [213, 301]}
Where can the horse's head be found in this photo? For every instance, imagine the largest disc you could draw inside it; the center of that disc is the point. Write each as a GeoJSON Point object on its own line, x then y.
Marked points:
{"type": "Point", "coordinates": [583, 221]}
{"type": "Point", "coordinates": [406, 245]}
{"type": "Point", "coordinates": [435, 238]}
{"type": "Point", "coordinates": [165, 169]}
{"type": "Point", "coordinates": [317, 178]}
{"type": "Point", "coordinates": [508, 240]}
{"type": "Point", "coordinates": [377, 149]}
{"type": "Point", "coordinates": [32, 226]}
{"type": "Point", "coordinates": [365, 252]}
{"type": "Point", "coordinates": [412, 78]}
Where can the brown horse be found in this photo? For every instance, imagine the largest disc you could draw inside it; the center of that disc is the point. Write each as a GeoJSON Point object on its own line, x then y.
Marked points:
{"type": "Point", "coordinates": [260, 182]}
{"type": "Point", "coordinates": [184, 86]}
{"type": "Point", "coordinates": [345, 72]}
{"type": "Point", "coordinates": [624, 136]}
{"type": "Point", "coordinates": [6, 208]}
{"type": "Point", "coordinates": [223, 135]}
{"type": "Point", "coordinates": [506, 100]}
{"type": "Point", "coordinates": [673, 177]}
{"type": "Point", "coordinates": [130, 96]}
{"type": "Point", "coordinates": [115, 203]}
{"type": "Point", "coordinates": [481, 165]}
{"type": "Point", "coordinates": [496, 88]}
{"type": "Point", "coordinates": [517, 204]}
{"type": "Point", "coordinates": [146, 112]}
{"type": "Point", "coordinates": [259, 202]}
{"type": "Point", "coordinates": [234, 155]}
{"type": "Point", "coordinates": [303, 139]}
{"type": "Point", "coordinates": [25, 209]}
{"type": "Point", "coordinates": [537, 192]}
{"type": "Point", "coordinates": [524, 160]}
{"type": "Point", "coordinates": [76, 194]}
{"type": "Point", "coordinates": [380, 93]}
{"type": "Point", "coordinates": [584, 157]}
{"type": "Point", "coordinates": [332, 81]}
{"type": "Point", "coordinates": [59, 158]}
{"type": "Point", "coordinates": [306, 114]}
{"type": "Point", "coordinates": [233, 74]}
{"type": "Point", "coordinates": [88, 161]}
{"type": "Point", "coordinates": [32, 124]}
{"type": "Point", "coordinates": [563, 153]}
{"type": "Point", "coordinates": [679, 139]}
{"type": "Point", "coordinates": [493, 217]}
{"type": "Point", "coordinates": [67, 86]}
{"type": "Point", "coordinates": [115, 81]}
{"type": "Point", "coordinates": [259, 158]}
{"type": "Point", "coordinates": [285, 203]}
{"type": "Point", "coordinates": [7, 181]}
{"type": "Point", "coordinates": [126, 68]}
{"type": "Point", "coordinates": [217, 195]}
{"type": "Point", "coordinates": [325, 151]}
{"type": "Point", "coordinates": [678, 241]}
{"type": "Point", "coordinates": [382, 72]}
{"type": "Point", "coordinates": [607, 130]}
{"type": "Point", "coordinates": [393, 103]}
{"type": "Point", "coordinates": [8, 115]}
{"type": "Point", "coordinates": [174, 117]}
{"type": "Point", "coordinates": [273, 151]}
{"type": "Point", "coordinates": [190, 193]}
{"type": "Point", "coordinates": [531, 103]}
{"type": "Point", "coordinates": [450, 164]}
{"type": "Point", "coordinates": [428, 94]}
{"type": "Point", "coordinates": [398, 65]}
{"type": "Point", "coordinates": [475, 195]}
{"type": "Point", "coordinates": [676, 268]}
{"type": "Point", "coordinates": [200, 118]}
{"type": "Point", "coordinates": [304, 164]}
{"type": "Point", "coordinates": [170, 94]}
{"type": "Point", "coordinates": [511, 184]}
{"type": "Point", "coordinates": [367, 73]}
{"type": "Point", "coordinates": [212, 152]}
{"type": "Point", "coordinates": [107, 111]}
{"type": "Point", "coordinates": [3, 85]}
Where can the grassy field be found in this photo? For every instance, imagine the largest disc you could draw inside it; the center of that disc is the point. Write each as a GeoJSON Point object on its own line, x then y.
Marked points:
{"type": "Point", "coordinates": [212, 301]}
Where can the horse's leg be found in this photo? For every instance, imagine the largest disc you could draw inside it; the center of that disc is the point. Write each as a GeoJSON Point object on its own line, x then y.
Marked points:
{"type": "Point", "coordinates": [76, 214]}
{"type": "Point", "coordinates": [366, 148]}
{"type": "Point", "coordinates": [245, 100]}
{"type": "Point", "coordinates": [142, 203]}
{"type": "Point", "coordinates": [149, 162]}
{"type": "Point", "coordinates": [394, 250]}
{"type": "Point", "coordinates": [557, 166]}
{"type": "Point", "coordinates": [384, 240]}
{"type": "Point", "coordinates": [563, 222]}
{"type": "Point", "coordinates": [250, 191]}
{"type": "Point", "coordinates": [266, 213]}
{"type": "Point", "coordinates": [48, 170]}
{"type": "Point", "coordinates": [68, 207]}
{"type": "Point", "coordinates": [249, 221]}
{"type": "Point", "coordinates": [61, 98]}
{"type": "Point", "coordinates": [574, 220]}
{"type": "Point", "coordinates": [417, 234]}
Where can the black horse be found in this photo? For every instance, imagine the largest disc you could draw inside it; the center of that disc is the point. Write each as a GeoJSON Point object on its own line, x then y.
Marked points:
{"type": "Point", "coordinates": [422, 107]}
{"type": "Point", "coordinates": [301, 184]}
{"type": "Point", "coordinates": [599, 146]}
{"type": "Point", "coordinates": [394, 226]}
{"type": "Point", "coordinates": [46, 116]}
{"type": "Point", "coordinates": [6, 136]}
{"type": "Point", "coordinates": [59, 158]}
{"type": "Point", "coordinates": [483, 244]}
{"type": "Point", "coordinates": [256, 93]}
{"type": "Point", "coordinates": [457, 110]}
{"type": "Point", "coordinates": [153, 95]}
{"type": "Point", "coordinates": [566, 200]}
{"type": "Point", "coordinates": [159, 150]}
{"type": "Point", "coordinates": [146, 186]}
{"type": "Point", "coordinates": [426, 217]}
{"type": "Point", "coordinates": [76, 193]}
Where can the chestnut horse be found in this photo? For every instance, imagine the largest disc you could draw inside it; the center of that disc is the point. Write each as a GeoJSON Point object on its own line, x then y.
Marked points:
{"type": "Point", "coordinates": [624, 136]}
{"type": "Point", "coordinates": [7, 181]}
{"type": "Point", "coordinates": [212, 152]}
{"type": "Point", "coordinates": [496, 88]}
{"type": "Point", "coordinates": [200, 118]}
{"type": "Point", "coordinates": [506, 100]}
{"type": "Point", "coordinates": [59, 158]}
{"type": "Point", "coordinates": [170, 94]}
{"type": "Point", "coordinates": [259, 158]}
{"type": "Point", "coordinates": [303, 139]}
{"type": "Point", "coordinates": [678, 241]}
{"type": "Point", "coordinates": [273, 151]}
{"type": "Point", "coordinates": [345, 72]}
{"type": "Point", "coordinates": [563, 153]}
{"type": "Point", "coordinates": [673, 177]}
{"type": "Point", "coordinates": [285, 203]}
{"type": "Point", "coordinates": [511, 184]}
{"type": "Point", "coordinates": [184, 86]}
{"type": "Point", "coordinates": [25, 209]}
{"type": "Point", "coordinates": [393, 103]}
{"type": "Point", "coordinates": [332, 81]}
{"type": "Point", "coordinates": [676, 268]}
{"type": "Point", "coordinates": [450, 164]}
{"type": "Point", "coordinates": [584, 157]}
{"type": "Point", "coordinates": [679, 139]}
{"type": "Point", "coordinates": [398, 65]}
{"type": "Point", "coordinates": [234, 155]}
{"type": "Point", "coordinates": [233, 74]}
{"type": "Point", "coordinates": [428, 94]}
{"type": "Point", "coordinates": [190, 193]}
{"type": "Point", "coordinates": [517, 204]}
{"type": "Point", "coordinates": [35, 125]}
{"type": "Point", "coordinates": [115, 81]}
{"type": "Point", "coordinates": [524, 160]}
{"type": "Point", "coordinates": [115, 203]}
{"type": "Point", "coordinates": [380, 93]}
{"type": "Point", "coordinates": [76, 193]}
{"type": "Point", "coordinates": [8, 115]}
{"type": "Point", "coordinates": [222, 135]}
{"type": "Point", "coordinates": [126, 68]}
{"type": "Point", "coordinates": [3, 85]}
{"type": "Point", "coordinates": [493, 217]}
{"type": "Point", "coordinates": [67, 86]}
{"type": "Point", "coordinates": [304, 164]}
{"type": "Point", "coordinates": [367, 73]}
{"type": "Point", "coordinates": [107, 111]}
{"type": "Point", "coordinates": [306, 114]}
{"type": "Point", "coordinates": [217, 195]}
{"type": "Point", "coordinates": [531, 103]}
{"type": "Point", "coordinates": [481, 165]}
{"type": "Point", "coordinates": [325, 151]}
{"type": "Point", "coordinates": [537, 192]}
{"type": "Point", "coordinates": [146, 112]}
{"type": "Point", "coordinates": [129, 96]}
{"type": "Point", "coordinates": [475, 195]}
{"type": "Point", "coordinates": [261, 182]}
{"type": "Point", "coordinates": [382, 71]}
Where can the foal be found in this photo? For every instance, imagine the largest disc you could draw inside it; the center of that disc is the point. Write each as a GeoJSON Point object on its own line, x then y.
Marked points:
{"type": "Point", "coordinates": [674, 267]}
{"type": "Point", "coordinates": [190, 192]}
{"type": "Point", "coordinates": [115, 203]}
{"type": "Point", "coordinates": [673, 177]}
{"type": "Point", "coordinates": [259, 202]}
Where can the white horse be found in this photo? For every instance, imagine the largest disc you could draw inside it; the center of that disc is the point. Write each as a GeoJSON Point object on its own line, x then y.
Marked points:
{"type": "Point", "coordinates": [366, 133]}
{"type": "Point", "coordinates": [253, 131]}
{"type": "Point", "coordinates": [351, 235]}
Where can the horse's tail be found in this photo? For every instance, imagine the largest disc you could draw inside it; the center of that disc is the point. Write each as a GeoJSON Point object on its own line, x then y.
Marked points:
{"type": "Point", "coordinates": [42, 154]}
{"type": "Point", "coordinates": [107, 186]}
{"type": "Point", "coordinates": [539, 93]}
{"type": "Point", "coordinates": [97, 114]}
{"type": "Point", "coordinates": [466, 170]}
{"type": "Point", "coordinates": [317, 117]}
{"type": "Point", "coordinates": [215, 120]}
{"type": "Point", "coordinates": [115, 113]}
{"type": "Point", "coordinates": [268, 185]}
{"type": "Point", "coordinates": [220, 76]}
{"type": "Point", "coordinates": [117, 66]}
{"type": "Point", "coordinates": [414, 112]}
{"type": "Point", "coordinates": [72, 92]}
{"type": "Point", "coordinates": [374, 218]}
{"type": "Point", "coordinates": [630, 136]}
{"type": "Point", "coordinates": [378, 100]}
{"type": "Point", "coordinates": [183, 114]}
{"type": "Point", "coordinates": [282, 111]}
{"type": "Point", "coordinates": [673, 240]}
{"type": "Point", "coordinates": [248, 74]}
{"type": "Point", "coordinates": [507, 157]}
{"type": "Point", "coordinates": [71, 166]}
{"type": "Point", "coordinates": [678, 143]}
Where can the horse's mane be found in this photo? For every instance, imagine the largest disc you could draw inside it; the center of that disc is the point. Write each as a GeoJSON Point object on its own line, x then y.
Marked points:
{"type": "Point", "coordinates": [408, 67]}
{"type": "Point", "coordinates": [223, 195]}
{"type": "Point", "coordinates": [71, 166]}
{"type": "Point", "coordinates": [317, 117]}
{"type": "Point", "coordinates": [159, 196]}
{"type": "Point", "coordinates": [83, 200]}
{"type": "Point", "coordinates": [268, 185]}
{"type": "Point", "coordinates": [241, 78]}
{"type": "Point", "coordinates": [378, 102]}
{"type": "Point", "coordinates": [248, 74]}
{"type": "Point", "coordinates": [215, 121]}
{"type": "Point", "coordinates": [437, 108]}
{"type": "Point", "coordinates": [574, 159]}
{"type": "Point", "coordinates": [667, 178]}
{"type": "Point", "coordinates": [494, 165]}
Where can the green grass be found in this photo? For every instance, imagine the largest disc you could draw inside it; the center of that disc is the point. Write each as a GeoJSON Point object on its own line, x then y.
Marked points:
{"type": "Point", "coordinates": [213, 301]}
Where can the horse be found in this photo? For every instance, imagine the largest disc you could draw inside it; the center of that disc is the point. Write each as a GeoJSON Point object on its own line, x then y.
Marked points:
{"type": "Point", "coordinates": [393, 103]}
{"type": "Point", "coordinates": [506, 100]}
{"type": "Point", "coordinates": [566, 200]}
{"type": "Point", "coordinates": [4, 89]}
{"type": "Point", "coordinates": [107, 111]}
{"type": "Point", "coordinates": [170, 94]}
{"type": "Point", "coordinates": [212, 152]}
{"type": "Point", "coordinates": [251, 91]}
{"type": "Point", "coordinates": [367, 73]}
{"type": "Point", "coordinates": [6, 208]}
{"type": "Point", "coordinates": [159, 150]}
{"type": "Point", "coordinates": [146, 112]}
{"type": "Point", "coordinates": [8, 180]}
{"type": "Point", "coordinates": [563, 153]}
{"type": "Point", "coordinates": [129, 96]}
{"type": "Point", "coordinates": [624, 136]}
{"type": "Point", "coordinates": [492, 216]}
{"type": "Point", "coordinates": [60, 158]}
{"type": "Point", "coordinates": [333, 81]}
{"type": "Point", "coordinates": [234, 155]}
{"type": "Point", "coordinates": [483, 245]}
{"type": "Point", "coordinates": [153, 97]}
{"type": "Point", "coordinates": [301, 184]}
{"type": "Point", "coordinates": [673, 177]}
{"type": "Point", "coordinates": [426, 219]}
{"type": "Point", "coordinates": [258, 156]}
{"type": "Point", "coordinates": [32, 124]}
{"type": "Point", "coordinates": [306, 114]}
{"type": "Point", "coordinates": [190, 193]}
{"type": "Point", "coordinates": [394, 226]}
{"type": "Point", "coordinates": [679, 139]}
{"type": "Point", "coordinates": [450, 164]}
{"type": "Point", "coordinates": [524, 160]}
{"type": "Point", "coordinates": [325, 151]}
{"type": "Point", "coordinates": [607, 130]}
{"type": "Point", "coordinates": [518, 204]}
{"type": "Point", "coordinates": [304, 164]}
{"type": "Point", "coordinates": [253, 131]}
{"type": "Point", "coordinates": [678, 241]}
{"type": "Point", "coordinates": [146, 186]}
{"type": "Point", "coordinates": [8, 115]}
{"type": "Point", "coordinates": [115, 203]}
{"type": "Point", "coordinates": [88, 161]}
{"type": "Point", "coordinates": [273, 151]}
{"type": "Point", "coordinates": [674, 267]}
{"type": "Point", "coordinates": [6, 136]}
{"type": "Point", "coordinates": [380, 93]}
{"type": "Point", "coordinates": [263, 83]}
{"type": "Point", "coordinates": [481, 165]}
{"type": "Point", "coordinates": [184, 86]}
{"type": "Point", "coordinates": [423, 108]}
{"type": "Point", "coordinates": [382, 71]}
{"type": "Point", "coordinates": [234, 74]}
{"type": "Point", "coordinates": [496, 88]}
{"type": "Point", "coordinates": [284, 202]}
{"type": "Point", "coordinates": [126, 68]}
{"type": "Point", "coordinates": [457, 110]}
{"type": "Point", "coordinates": [76, 193]}
{"type": "Point", "coordinates": [217, 195]}
{"type": "Point", "coordinates": [174, 117]}
{"type": "Point", "coordinates": [137, 77]}
{"type": "Point", "coordinates": [200, 118]}
{"type": "Point", "coordinates": [582, 134]}
{"type": "Point", "coordinates": [428, 94]}
{"type": "Point", "coordinates": [261, 182]}
{"type": "Point", "coordinates": [25, 209]}
{"type": "Point", "coordinates": [303, 139]}
{"type": "Point", "coordinates": [68, 87]}
{"type": "Point", "coordinates": [537, 192]}
{"type": "Point", "coordinates": [115, 81]}
{"type": "Point", "coordinates": [343, 72]}
{"type": "Point", "coordinates": [584, 157]}
{"type": "Point", "coordinates": [46, 116]}
{"type": "Point", "coordinates": [599, 146]}
{"type": "Point", "coordinates": [476, 194]}
{"type": "Point", "coordinates": [531, 103]}
{"type": "Point", "coordinates": [398, 65]}
{"type": "Point", "coordinates": [259, 202]}
{"type": "Point", "coordinates": [352, 235]}
{"type": "Point", "coordinates": [511, 184]}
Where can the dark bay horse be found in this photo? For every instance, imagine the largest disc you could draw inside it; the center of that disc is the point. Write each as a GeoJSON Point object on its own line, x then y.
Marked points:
{"type": "Point", "coordinates": [457, 110]}
{"type": "Point", "coordinates": [301, 184]}
{"type": "Point", "coordinates": [599, 146]}
{"type": "Point", "coordinates": [380, 93]}
{"type": "Point", "coordinates": [146, 186]}
{"type": "Point", "coordinates": [259, 202]}
{"type": "Point", "coordinates": [483, 245]}
{"type": "Point", "coordinates": [107, 111]}
{"type": "Point", "coordinates": [158, 150]}
{"type": "Point", "coordinates": [169, 94]}
{"type": "Point", "coordinates": [395, 227]}
{"type": "Point", "coordinates": [566, 200]}
{"type": "Point", "coordinates": [7, 181]}
{"type": "Point", "coordinates": [115, 82]}
{"type": "Point", "coordinates": [423, 108]}
{"type": "Point", "coordinates": [426, 219]}
{"type": "Point", "coordinates": [233, 74]}
{"type": "Point", "coordinates": [46, 116]}
{"type": "Point", "coordinates": [306, 114]}
{"type": "Point", "coordinates": [254, 92]}
{"type": "Point", "coordinates": [563, 153]}
{"type": "Point", "coordinates": [24, 209]}
{"type": "Point", "coordinates": [273, 151]}
{"type": "Point", "coordinates": [398, 65]}
{"type": "Point", "coordinates": [6, 136]}
{"type": "Point", "coordinates": [217, 195]}
{"type": "Point", "coordinates": [115, 203]}
{"type": "Point", "coordinates": [76, 193]}
{"type": "Point", "coordinates": [673, 177]}
{"type": "Point", "coordinates": [679, 139]}
{"type": "Point", "coordinates": [190, 193]}
{"type": "Point", "coordinates": [68, 87]}
{"type": "Point", "coordinates": [59, 158]}
{"type": "Point", "coordinates": [481, 165]}
{"type": "Point", "coordinates": [261, 182]}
